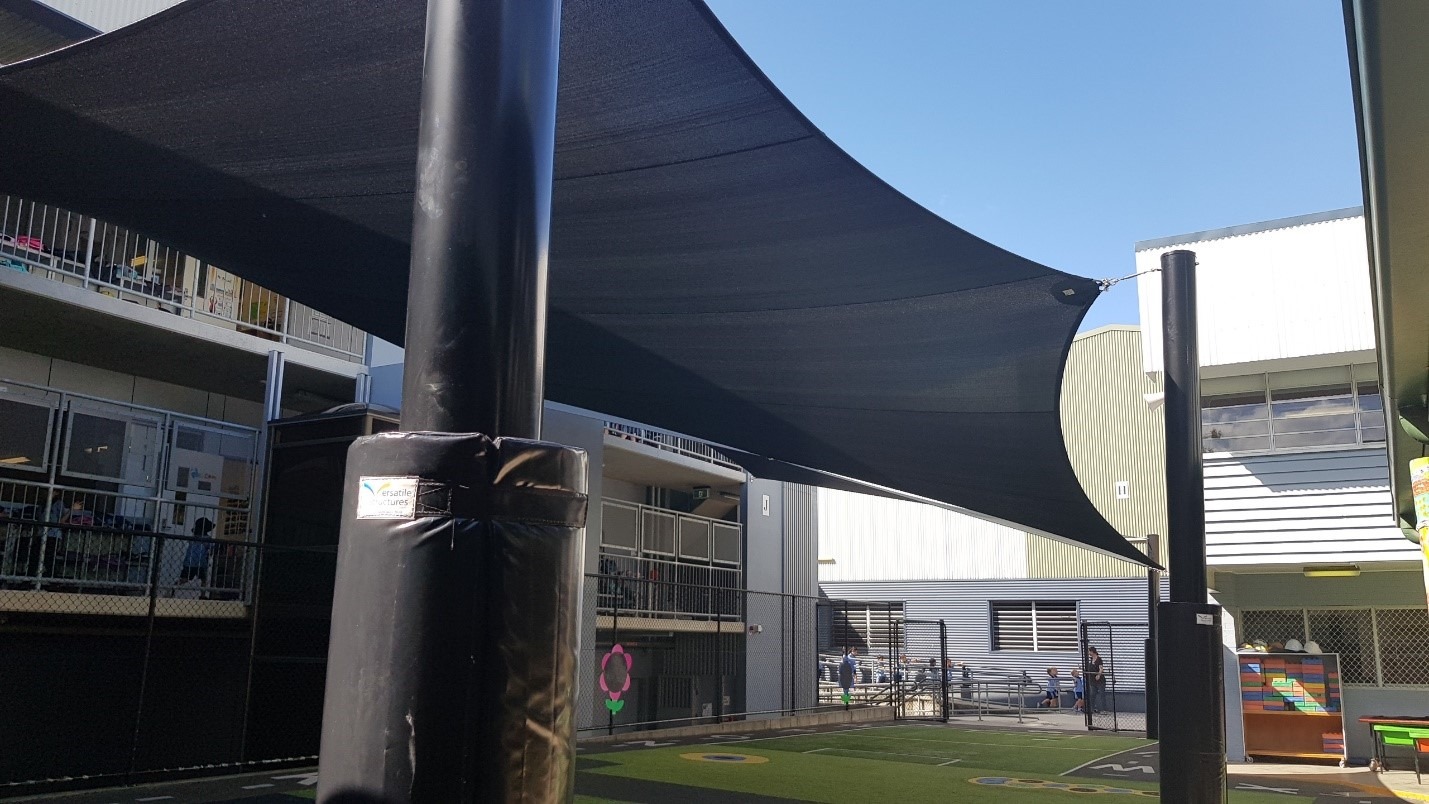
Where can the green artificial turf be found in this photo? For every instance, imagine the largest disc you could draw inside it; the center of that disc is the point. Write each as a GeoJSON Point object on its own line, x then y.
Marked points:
{"type": "Point", "coordinates": [895, 762]}
{"type": "Point", "coordinates": [579, 798]}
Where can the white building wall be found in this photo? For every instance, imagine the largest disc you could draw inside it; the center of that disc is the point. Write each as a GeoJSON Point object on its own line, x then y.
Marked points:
{"type": "Point", "coordinates": [1300, 288]}
{"type": "Point", "coordinates": [34, 369]}
{"type": "Point", "coordinates": [107, 15]}
{"type": "Point", "coordinates": [1302, 508]}
{"type": "Point", "coordinates": [867, 538]}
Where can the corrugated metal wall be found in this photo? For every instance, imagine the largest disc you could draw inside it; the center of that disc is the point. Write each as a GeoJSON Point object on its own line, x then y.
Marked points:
{"type": "Point", "coordinates": [801, 539]}
{"type": "Point", "coordinates": [964, 606]}
{"type": "Point", "coordinates": [866, 538]}
{"type": "Point", "coordinates": [1291, 289]}
{"type": "Point", "coordinates": [107, 15]}
{"type": "Point", "coordinates": [1112, 436]}
{"type": "Point", "coordinates": [1304, 508]}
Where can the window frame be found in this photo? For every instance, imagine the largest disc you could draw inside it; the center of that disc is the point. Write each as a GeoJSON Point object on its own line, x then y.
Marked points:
{"type": "Point", "coordinates": [46, 456]}
{"type": "Point", "coordinates": [130, 417]}
{"type": "Point", "coordinates": [169, 479]}
{"type": "Point", "coordinates": [1276, 441]}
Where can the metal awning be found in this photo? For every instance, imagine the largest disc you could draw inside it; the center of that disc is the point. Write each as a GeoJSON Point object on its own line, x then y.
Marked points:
{"type": "Point", "coordinates": [1389, 64]}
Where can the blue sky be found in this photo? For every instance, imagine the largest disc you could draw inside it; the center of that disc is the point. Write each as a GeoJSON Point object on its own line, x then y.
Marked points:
{"type": "Point", "coordinates": [1068, 130]}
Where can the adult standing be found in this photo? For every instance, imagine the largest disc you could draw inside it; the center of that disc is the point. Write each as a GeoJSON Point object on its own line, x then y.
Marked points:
{"type": "Point", "coordinates": [848, 670]}
{"type": "Point", "coordinates": [1095, 674]}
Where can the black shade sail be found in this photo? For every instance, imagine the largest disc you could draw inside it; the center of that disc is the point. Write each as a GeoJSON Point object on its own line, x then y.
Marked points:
{"type": "Point", "coordinates": [718, 267]}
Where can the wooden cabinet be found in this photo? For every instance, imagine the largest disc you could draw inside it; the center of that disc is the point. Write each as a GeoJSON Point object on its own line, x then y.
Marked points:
{"type": "Point", "coordinates": [1292, 706]}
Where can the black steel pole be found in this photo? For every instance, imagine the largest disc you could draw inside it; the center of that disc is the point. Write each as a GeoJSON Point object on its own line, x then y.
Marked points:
{"type": "Point", "coordinates": [943, 668]}
{"type": "Point", "coordinates": [452, 660]}
{"type": "Point", "coordinates": [1185, 496]}
{"type": "Point", "coordinates": [1153, 599]}
{"type": "Point", "coordinates": [1192, 716]}
{"type": "Point", "coordinates": [476, 298]}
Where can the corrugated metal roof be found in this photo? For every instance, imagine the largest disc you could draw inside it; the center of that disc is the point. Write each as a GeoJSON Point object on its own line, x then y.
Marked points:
{"type": "Point", "coordinates": [1249, 228]}
{"type": "Point", "coordinates": [1112, 437]}
{"type": "Point", "coordinates": [1270, 295]}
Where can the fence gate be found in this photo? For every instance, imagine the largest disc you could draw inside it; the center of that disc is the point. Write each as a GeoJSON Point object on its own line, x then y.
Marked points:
{"type": "Point", "coordinates": [1117, 700]}
{"type": "Point", "coordinates": [921, 682]}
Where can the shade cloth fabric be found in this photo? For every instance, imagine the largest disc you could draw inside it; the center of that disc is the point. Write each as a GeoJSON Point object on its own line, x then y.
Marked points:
{"type": "Point", "coordinates": [718, 266]}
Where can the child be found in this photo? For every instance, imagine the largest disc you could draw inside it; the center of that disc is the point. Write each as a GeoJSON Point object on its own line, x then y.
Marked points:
{"type": "Point", "coordinates": [1078, 689]}
{"type": "Point", "coordinates": [1054, 689]}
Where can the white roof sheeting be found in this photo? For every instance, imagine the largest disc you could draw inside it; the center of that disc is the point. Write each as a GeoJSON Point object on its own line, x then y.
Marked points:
{"type": "Point", "coordinates": [1291, 288]}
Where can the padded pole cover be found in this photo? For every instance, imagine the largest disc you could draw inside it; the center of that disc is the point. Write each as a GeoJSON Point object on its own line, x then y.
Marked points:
{"type": "Point", "coordinates": [459, 563]}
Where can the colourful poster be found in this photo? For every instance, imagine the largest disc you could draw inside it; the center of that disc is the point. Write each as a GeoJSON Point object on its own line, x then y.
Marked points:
{"type": "Point", "coordinates": [1419, 477]}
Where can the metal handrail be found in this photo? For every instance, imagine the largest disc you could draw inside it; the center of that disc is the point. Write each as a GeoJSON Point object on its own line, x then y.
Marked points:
{"type": "Point", "coordinates": [73, 249]}
{"type": "Point", "coordinates": [669, 442]}
{"type": "Point", "coordinates": [633, 586]}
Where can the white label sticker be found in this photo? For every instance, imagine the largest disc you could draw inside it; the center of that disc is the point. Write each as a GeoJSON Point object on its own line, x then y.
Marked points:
{"type": "Point", "coordinates": [387, 498]}
{"type": "Point", "coordinates": [766, 505]}
{"type": "Point", "coordinates": [1205, 619]}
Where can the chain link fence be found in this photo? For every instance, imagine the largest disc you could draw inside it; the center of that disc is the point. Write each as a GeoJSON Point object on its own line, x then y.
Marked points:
{"type": "Point", "coordinates": [1380, 646]}
{"type": "Point", "coordinates": [662, 653]}
{"type": "Point", "coordinates": [131, 655]}
{"type": "Point", "coordinates": [923, 680]}
{"type": "Point", "coordinates": [1113, 658]}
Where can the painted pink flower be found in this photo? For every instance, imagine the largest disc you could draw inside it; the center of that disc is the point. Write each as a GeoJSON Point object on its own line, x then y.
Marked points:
{"type": "Point", "coordinates": [615, 676]}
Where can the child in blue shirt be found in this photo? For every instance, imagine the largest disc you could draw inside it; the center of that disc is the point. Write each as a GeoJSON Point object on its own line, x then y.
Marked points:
{"type": "Point", "coordinates": [1079, 689]}
{"type": "Point", "coordinates": [1053, 696]}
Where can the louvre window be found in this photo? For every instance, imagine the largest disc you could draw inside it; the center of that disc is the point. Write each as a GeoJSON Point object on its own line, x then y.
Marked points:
{"type": "Point", "coordinates": [1034, 625]}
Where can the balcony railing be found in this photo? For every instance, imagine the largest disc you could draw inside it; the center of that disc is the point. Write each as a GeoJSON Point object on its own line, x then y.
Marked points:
{"type": "Point", "coordinates": [670, 442]}
{"type": "Point", "coordinates": [60, 539]}
{"type": "Point", "coordinates": [78, 250]}
{"type": "Point", "coordinates": [647, 587]}
{"type": "Point", "coordinates": [88, 559]}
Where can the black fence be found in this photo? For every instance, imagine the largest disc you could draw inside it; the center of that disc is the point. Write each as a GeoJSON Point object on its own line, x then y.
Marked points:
{"type": "Point", "coordinates": [927, 679]}
{"type": "Point", "coordinates": [1113, 658]}
{"type": "Point", "coordinates": [130, 655]}
{"type": "Point", "coordinates": [659, 653]}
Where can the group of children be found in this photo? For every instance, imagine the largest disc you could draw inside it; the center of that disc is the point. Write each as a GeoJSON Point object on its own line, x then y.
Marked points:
{"type": "Point", "coordinates": [1053, 694]}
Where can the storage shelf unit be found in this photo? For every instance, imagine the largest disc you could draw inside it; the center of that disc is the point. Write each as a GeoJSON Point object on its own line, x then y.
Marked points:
{"type": "Point", "coordinates": [1291, 706]}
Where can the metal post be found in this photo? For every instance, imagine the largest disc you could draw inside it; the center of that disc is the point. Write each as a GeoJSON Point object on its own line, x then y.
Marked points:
{"type": "Point", "coordinates": [715, 599]}
{"type": "Point", "coordinates": [89, 252]}
{"type": "Point", "coordinates": [273, 386]}
{"type": "Point", "coordinates": [943, 665]}
{"type": "Point", "coordinates": [157, 549]}
{"type": "Point", "coordinates": [362, 388]}
{"type": "Point", "coordinates": [793, 669]}
{"type": "Point", "coordinates": [491, 721]}
{"type": "Point", "coordinates": [1193, 743]}
{"type": "Point", "coordinates": [481, 219]}
{"type": "Point", "coordinates": [1153, 599]}
{"type": "Point", "coordinates": [614, 640]}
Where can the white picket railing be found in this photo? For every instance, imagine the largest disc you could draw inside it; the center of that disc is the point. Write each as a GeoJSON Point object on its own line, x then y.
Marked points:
{"type": "Point", "coordinates": [78, 250]}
